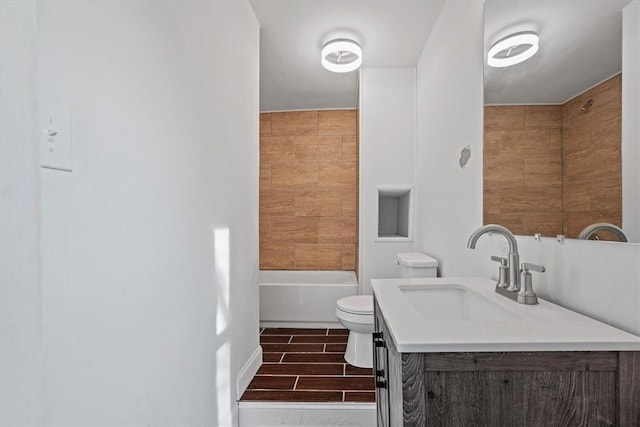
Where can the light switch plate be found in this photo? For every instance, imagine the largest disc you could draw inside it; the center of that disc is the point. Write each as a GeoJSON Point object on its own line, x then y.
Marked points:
{"type": "Point", "coordinates": [56, 142]}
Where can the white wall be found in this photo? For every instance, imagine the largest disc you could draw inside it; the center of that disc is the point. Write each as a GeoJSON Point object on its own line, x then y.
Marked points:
{"type": "Point", "coordinates": [631, 120]}
{"type": "Point", "coordinates": [21, 352]}
{"type": "Point", "coordinates": [450, 114]}
{"type": "Point", "coordinates": [150, 246]}
{"type": "Point", "coordinates": [599, 279]}
{"type": "Point", "coordinates": [387, 108]}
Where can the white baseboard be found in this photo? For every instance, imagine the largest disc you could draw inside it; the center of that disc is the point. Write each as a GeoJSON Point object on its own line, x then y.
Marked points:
{"type": "Point", "coordinates": [248, 371]}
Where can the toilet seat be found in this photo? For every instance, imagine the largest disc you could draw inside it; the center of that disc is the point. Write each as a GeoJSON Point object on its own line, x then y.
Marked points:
{"type": "Point", "coordinates": [356, 304]}
{"type": "Point", "coordinates": [360, 319]}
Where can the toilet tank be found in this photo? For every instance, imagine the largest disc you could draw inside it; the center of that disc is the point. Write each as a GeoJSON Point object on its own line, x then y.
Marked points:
{"type": "Point", "coordinates": [416, 264]}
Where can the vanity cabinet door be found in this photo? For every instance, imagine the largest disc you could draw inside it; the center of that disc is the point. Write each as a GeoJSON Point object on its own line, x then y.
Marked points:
{"type": "Point", "coordinates": [380, 363]}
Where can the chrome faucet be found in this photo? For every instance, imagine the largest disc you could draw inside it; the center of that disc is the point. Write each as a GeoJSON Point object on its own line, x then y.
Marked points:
{"type": "Point", "coordinates": [594, 228]}
{"type": "Point", "coordinates": [514, 257]}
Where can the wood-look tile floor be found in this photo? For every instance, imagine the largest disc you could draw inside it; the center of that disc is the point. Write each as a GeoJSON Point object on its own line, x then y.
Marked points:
{"type": "Point", "coordinates": [307, 365]}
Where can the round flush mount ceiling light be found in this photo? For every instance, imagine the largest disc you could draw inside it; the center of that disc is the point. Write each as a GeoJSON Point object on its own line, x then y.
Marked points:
{"type": "Point", "coordinates": [513, 49]}
{"type": "Point", "coordinates": [341, 55]}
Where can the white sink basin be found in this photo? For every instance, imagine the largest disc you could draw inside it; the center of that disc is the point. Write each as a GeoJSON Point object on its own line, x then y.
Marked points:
{"type": "Point", "coordinates": [465, 314]}
{"type": "Point", "coordinates": [453, 302]}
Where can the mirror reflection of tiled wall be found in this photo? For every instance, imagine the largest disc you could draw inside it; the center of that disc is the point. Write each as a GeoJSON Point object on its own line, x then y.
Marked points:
{"type": "Point", "coordinates": [308, 190]}
{"type": "Point", "coordinates": [554, 169]}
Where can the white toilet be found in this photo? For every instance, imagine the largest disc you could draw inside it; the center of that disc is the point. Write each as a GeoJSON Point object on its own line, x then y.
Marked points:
{"type": "Point", "coordinates": [356, 312]}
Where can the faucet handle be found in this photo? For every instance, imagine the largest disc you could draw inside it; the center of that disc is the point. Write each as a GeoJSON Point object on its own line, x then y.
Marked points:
{"type": "Point", "coordinates": [501, 260]}
{"type": "Point", "coordinates": [526, 294]}
{"type": "Point", "coordinates": [503, 272]}
{"type": "Point", "coordinates": [533, 267]}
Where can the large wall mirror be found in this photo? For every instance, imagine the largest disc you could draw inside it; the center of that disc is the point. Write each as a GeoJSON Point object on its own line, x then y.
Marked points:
{"type": "Point", "coordinates": [552, 135]}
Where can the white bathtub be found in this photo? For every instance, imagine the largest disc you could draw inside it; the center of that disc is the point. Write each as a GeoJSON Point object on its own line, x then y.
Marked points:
{"type": "Point", "coordinates": [302, 299]}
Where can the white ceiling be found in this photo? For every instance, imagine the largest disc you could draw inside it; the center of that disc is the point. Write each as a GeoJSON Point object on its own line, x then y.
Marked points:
{"type": "Point", "coordinates": [580, 46]}
{"type": "Point", "coordinates": [392, 33]}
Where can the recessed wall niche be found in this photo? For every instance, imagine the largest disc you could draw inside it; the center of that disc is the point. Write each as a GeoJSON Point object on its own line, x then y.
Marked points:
{"type": "Point", "coordinates": [395, 205]}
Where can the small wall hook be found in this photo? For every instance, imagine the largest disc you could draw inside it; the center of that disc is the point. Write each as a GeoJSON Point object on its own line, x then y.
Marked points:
{"type": "Point", "coordinates": [465, 155]}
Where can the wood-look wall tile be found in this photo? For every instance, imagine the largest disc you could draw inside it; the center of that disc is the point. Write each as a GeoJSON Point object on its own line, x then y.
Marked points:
{"type": "Point", "coordinates": [294, 123]}
{"type": "Point", "coordinates": [318, 148]}
{"type": "Point", "coordinates": [292, 157]}
{"type": "Point", "coordinates": [318, 256]}
{"type": "Point", "coordinates": [543, 170]}
{"type": "Point", "coordinates": [491, 199]}
{"type": "Point", "coordinates": [575, 222]}
{"type": "Point", "coordinates": [514, 222]}
{"type": "Point", "coordinates": [277, 256]}
{"type": "Point", "coordinates": [607, 133]}
{"type": "Point", "coordinates": [338, 176]}
{"type": "Point", "coordinates": [572, 117]}
{"type": "Point", "coordinates": [606, 193]}
{"type": "Point", "coordinates": [337, 122]}
{"type": "Point", "coordinates": [576, 197]}
{"type": "Point", "coordinates": [294, 176]}
{"type": "Point", "coordinates": [318, 203]}
{"type": "Point", "coordinates": [543, 116]}
{"type": "Point", "coordinates": [349, 149]}
{"type": "Point", "coordinates": [531, 142]}
{"type": "Point", "coordinates": [532, 198]}
{"type": "Point", "coordinates": [280, 203]}
{"type": "Point", "coordinates": [504, 117]}
{"type": "Point", "coordinates": [349, 203]}
{"type": "Point", "coordinates": [265, 177]}
{"type": "Point", "coordinates": [516, 143]}
{"type": "Point", "coordinates": [500, 172]}
{"type": "Point", "coordinates": [265, 124]}
{"type": "Point", "coordinates": [547, 224]}
{"type": "Point", "coordinates": [587, 166]}
{"type": "Point", "coordinates": [555, 143]}
{"type": "Point", "coordinates": [276, 149]}
{"type": "Point", "coordinates": [264, 227]}
{"type": "Point", "coordinates": [493, 142]}
{"type": "Point", "coordinates": [575, 139]}
{"type": "Point", "coordinates": [294, 228]}
{"type": "Point", "coordinates": [348, 256]}
{"type": "Point", "coordinates": [337, 229]}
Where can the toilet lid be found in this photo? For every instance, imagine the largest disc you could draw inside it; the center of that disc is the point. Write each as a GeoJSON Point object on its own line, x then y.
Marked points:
{"type": "Point", "coordinates": [357, 304]}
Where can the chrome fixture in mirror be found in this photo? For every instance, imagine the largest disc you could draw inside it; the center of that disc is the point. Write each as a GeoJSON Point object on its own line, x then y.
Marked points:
{"type": "Point", "coordinates": [591, 232]}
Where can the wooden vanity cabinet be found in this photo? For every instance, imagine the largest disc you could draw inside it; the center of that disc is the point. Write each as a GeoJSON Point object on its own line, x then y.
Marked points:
{"type": "Point", "coordinates": [504, 388]}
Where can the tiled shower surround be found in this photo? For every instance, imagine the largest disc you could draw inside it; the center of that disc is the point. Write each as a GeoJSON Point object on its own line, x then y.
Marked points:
{"type": "Point", "coordinates": [308, 190]}
{"type": "Point", "coordinates": [307, 365]}
{"type": "Point", "coordinates": [554, 169]}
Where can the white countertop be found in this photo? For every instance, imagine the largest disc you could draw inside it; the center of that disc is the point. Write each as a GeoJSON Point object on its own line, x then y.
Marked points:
{"type": "Point", "coordinates": [541, 327]}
